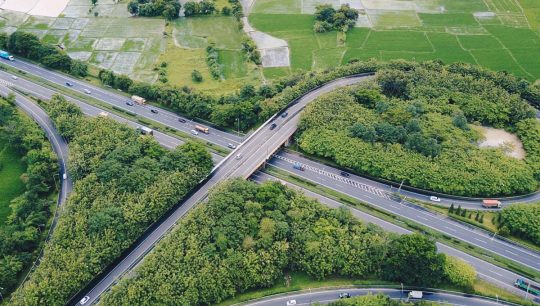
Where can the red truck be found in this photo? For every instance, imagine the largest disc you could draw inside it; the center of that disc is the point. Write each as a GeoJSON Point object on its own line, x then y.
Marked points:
{"type": "Point", "coordinates": [491, 203]}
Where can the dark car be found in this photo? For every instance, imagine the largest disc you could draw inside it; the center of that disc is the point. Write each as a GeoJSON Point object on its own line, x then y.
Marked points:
{"type": "Point", "coordinates": [69, 84]}
{"type": "Point", "coordinates": [273, 126]}
{"type": "Point", "coordinates": [154, 111]}
{"type": "Point", "coordinates": [129, 103]}
{"type": "Point", "coordinates": [345, 174]}
{"type": "Point", "coordinates": [284, 115]}
{"type": "Point", "coordinates": [182, 120]}
{"type": "Point", "coordinates": [344, 295]}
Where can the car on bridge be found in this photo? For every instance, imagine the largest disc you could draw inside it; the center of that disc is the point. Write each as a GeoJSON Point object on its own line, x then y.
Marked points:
{"type": "Point", "coordinates": [273, 126]}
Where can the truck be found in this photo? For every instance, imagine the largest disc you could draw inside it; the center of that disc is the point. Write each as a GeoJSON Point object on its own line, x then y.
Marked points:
{"type": "Point", "coordinates": [6, 55]}
{"type": "Point", "coordinates": [298, 166]}
{"type": "Point", "coordinates": [138, 100]}
{"type": "Point", "coordinates": [526, 286]}
{"type": "Point", "coordinates": [145, 131]}
{"type": "Point", "coordinates": [491, 203]}
{"type": "Point", "coordinates": [415, 295]}
{"type": "Point", "coordinates": [202, 129]}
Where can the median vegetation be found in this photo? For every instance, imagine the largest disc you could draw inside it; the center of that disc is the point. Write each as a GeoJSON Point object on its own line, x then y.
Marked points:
{"type": "Point", "coordinates": [250, 236]}
{"type": "Point", "coordinates": [521, 220]}
{"type": "Point", "coordinates": [424, 126]}
{"type": "Point", "coordinates": [123, 183]}
{"type": "Point", "coordinates": [28, 217]}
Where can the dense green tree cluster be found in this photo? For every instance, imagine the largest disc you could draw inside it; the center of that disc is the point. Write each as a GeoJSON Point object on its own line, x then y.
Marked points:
{"type": "Point", "coordinates": [29, 46]}
{"type": "Point", "coordinates": [123, 183]}
{"type": "Point", "coordinates": [521, 220]}
{"type": "Point", "coordinates": [413, 127]}
{"type": "Point", "coordinates": [30, 212]}
{"type": "Point", "coordinates": [169, 9]}
{"type": "Point", "coordinates": [248, 236]}
{"type": "Point", "coordinates": [205, 7]}
{"type": "Point", "coordinates": [249, 46]}
{"type": "Point", "coordinates": [327, 18]}
{"type": "Point", "coordinates": [216, 70]}
{"type": "Point", "coordinates": [378, 300]}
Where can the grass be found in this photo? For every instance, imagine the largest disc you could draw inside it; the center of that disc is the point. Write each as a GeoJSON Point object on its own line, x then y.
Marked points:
{"type": "Point", "coordinates": [11, 186]}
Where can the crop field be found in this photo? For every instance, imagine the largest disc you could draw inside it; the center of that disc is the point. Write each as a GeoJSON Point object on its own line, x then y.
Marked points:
{"type": "Point", "coordinates": [497, 34]}
{"type": "Point", "coordinates": [11, 186]}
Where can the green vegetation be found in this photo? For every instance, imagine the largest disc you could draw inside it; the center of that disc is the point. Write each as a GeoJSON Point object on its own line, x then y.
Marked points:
{"type": "Point", "coordinates": [377, 300]}
{"type": "Point", "coordinates": [413, 127]}
{"type": "Point", "coordinates": [25, 205]}
{"type": "Point", "coordinates": [250, 236]}
{"type": "Point", "coordinates": [521, 220]}
{"type": "Point", "coordinates": [166, 8]}
{"type": "Point", "coordinates": [123, 183]}
{"type": "Point", "coordinates": [327, 18]}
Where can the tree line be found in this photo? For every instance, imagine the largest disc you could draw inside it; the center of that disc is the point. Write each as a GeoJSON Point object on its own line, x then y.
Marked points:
{"type": "Point", "coordinates": [30, 213]}
{"type": "Point", "coordinates": [169, 9]}
{"type": "Point", "coordinates": [29, 46]}
{"type": "Point", "coordinates": [521, 220]}
{"type": "Point", "coordinates": [250, 236]}
{"type": "Point", "coordinates": [124, 182]}
{"type": "Point", "coordinates": [327, 18]}
{"type": "Point", "coordinates": [418, 126]}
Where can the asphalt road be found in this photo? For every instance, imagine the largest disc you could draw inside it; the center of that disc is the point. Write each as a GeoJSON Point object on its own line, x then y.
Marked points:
{"type": "Point", "coordinates": [327, 296]}
{"type": "Point", "coordinates": [487, 271]}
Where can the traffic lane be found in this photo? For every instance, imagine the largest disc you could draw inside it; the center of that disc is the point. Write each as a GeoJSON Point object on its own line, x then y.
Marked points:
{"type": "Point", "coordinates": [327, 296]}
{"type": "Point", "coordinates": [163, 116]}
{"type": "Point", "coordinates": [487, 271]}
{"type": "Point", "coordinates": [431, 220]}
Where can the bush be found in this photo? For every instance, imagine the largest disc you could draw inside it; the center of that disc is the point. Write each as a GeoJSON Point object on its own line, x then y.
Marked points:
{"type": "Point", "coordinates": [459, 273]}
{"type": "Point", "coordinates": [169, 9]}
{"type": "Point", "coordinates": [196, 76]}
{"type": "Point", "coordinates": [522, 220]}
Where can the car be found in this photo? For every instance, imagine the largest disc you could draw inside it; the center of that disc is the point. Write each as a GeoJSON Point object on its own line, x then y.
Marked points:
{"type": "Point", "coordinates": [344, 295]}
{"type": "Point", "coordinates": [291, 302]}
{"type": "Point", "coordinates": [69, 84]}
{"type": "Point", "coordinates": [345, 174]}
{"type": "Point", "coordinates": [87, 91]}
{"type": "Point", "coordinates": [153, 111]}
{"type": "Point", "coordinates": [14, 77]}
{"type": "Point", "coordinates": [231, 146]}
{"type": "Point", "coordinates": [182, 120]}
{"type": "Point", "coordinates": [435, 199]}
{"type": "Point", "coordinates": [194, 132]}
{"type": "Point", "coordinates": [130, 103]}
{"type": "Point", "coordinates": [64, 176]}
{"type": "Point", "coordinates": [284, 115]}
{"type": "Point", "coordinates": [273, 126]}
{"type": "Point", "coordinates": [238, 156]}
{"type": "Point", "coordinates": [84, 300]}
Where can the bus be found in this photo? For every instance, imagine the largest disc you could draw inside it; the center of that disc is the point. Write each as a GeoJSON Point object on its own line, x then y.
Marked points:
{"type": "Point", "coordinates": [202, 129]}
{"type": "Point", "coordinates": [525, 286]}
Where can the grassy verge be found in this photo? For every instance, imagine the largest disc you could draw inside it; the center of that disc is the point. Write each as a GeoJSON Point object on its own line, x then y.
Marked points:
{"type": "Point", "coordinates": [11, 185]}
{"type": "Point", "coordinates": [406, 223]}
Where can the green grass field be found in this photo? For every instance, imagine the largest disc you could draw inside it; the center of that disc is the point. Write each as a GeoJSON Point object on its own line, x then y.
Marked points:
{"type": "Point", "coordinates": [11, 186]}
{"type": "Point", "coordinates": [415, 30]}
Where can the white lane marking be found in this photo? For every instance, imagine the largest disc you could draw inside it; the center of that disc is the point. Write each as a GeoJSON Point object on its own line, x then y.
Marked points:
{"type": "Point", "coordinates": [450, 229]}
{"type": "Point", "coordinates": [479, 240]}
{"type": "Point", "coordinates": [495, 273]}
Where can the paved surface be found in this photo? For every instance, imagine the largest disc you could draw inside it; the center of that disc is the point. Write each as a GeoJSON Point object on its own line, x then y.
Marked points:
{"type": "Point", "coordinates": [327, 296]}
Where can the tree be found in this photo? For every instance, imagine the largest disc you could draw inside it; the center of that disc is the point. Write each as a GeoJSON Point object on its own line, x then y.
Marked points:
{"type": "Point", "coordinates": [191, 8]}
{"type": "Point", "coordinates": [459, 272]}
{"type": "Point", "coordinates": [3, 40]}
{"type": "Point", "coordinates": [94, 2]}
{"type": "Point", "coordinates": [78, 68]}
{"type": "Point", "coordinates": [366, 133]}
{"type": "Point", "coordinates": [122, 82]}
{"type": "Point", "coordinates": [196, 76]}
{"type": "Point", "coordinates": [207, 7]}
{"type": "Point", "coordinates": [460, 121]}
{"type": "Point", "coordinates": [133, 7]}
{"type": "Point", "coordinates": [324, 12]}
{"type": "Point", "coordinates": [451, 209]}
{"type": "Point", "coordinates": [226, 11]}
{"type": "Point", "coordinates": [172, 10]}
{"type": "Point", "coordinates": [413, 259]}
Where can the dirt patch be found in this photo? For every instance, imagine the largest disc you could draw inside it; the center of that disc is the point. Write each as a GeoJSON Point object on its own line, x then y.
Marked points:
{"type": "Point", "coordinates": [498, 138]}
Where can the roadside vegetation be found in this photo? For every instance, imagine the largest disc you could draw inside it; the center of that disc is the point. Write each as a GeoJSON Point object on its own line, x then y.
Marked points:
{"type": "Point", "coordinates": [378, 300]}
{"type": "Point", "coordinates": [251, 236]}
{"type": "Point", "coordinates": [416, 126]}
{"type": "Point", "coordinates": [27, 201]}
{"type": "Point", "coordinates": [521, 220]}
{"type": "Point", "coordinates": [123, 183]}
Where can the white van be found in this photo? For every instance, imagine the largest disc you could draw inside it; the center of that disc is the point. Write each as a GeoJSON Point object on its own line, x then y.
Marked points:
{"type": "Point", "coordinates": [415, 295]}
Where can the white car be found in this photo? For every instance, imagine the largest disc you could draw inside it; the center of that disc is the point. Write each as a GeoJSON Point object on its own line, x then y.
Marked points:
{"type": "Point", "coordinates": [84, 300]}
{"type": "Point", "coordinates": [291, 302]}
{"type": "Point", "coordinates": [64, 176]}
{"type": "Point", "coordinates": [194, 132]}
{"type": "Point", "coordinates": [14, 77]}
{"type": "Point", "coordinates": [434, 199]}
{"type": "Point", "coordinates": [238, 156]}
{"type": "Point", "coordinates": [87, 91]}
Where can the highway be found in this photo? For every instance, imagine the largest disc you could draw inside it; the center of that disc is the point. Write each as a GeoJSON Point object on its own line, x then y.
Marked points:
{"type": "Point", "coordinates": [308, 297]}
{"type": "Point", "coordinates": [286, 127]}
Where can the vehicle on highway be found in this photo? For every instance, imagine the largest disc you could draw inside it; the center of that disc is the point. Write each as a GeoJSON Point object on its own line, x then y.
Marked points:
{"type": "Point", "coordinates": [284, 115]}
{"type": "Point", "coordinates": [14, 77]}
{"type": "Point", "coordinates": [203, 129]}
{"type": "Point", "coordinates": [68, 84]}
{"type": "Point", "coordinates": [103, 114]}
{"type": "Point", "coordinates": [524, 285]}
{"type": "Point", "coordinates": [87, 91]}
{"type": "Point", "coordinates": [344, 295]}
{"type": "Point", "coordinates": [415, 295]}
{"type": "Point", "coordinates": [231, 146]}
{"type": "Point", "coordinates": [434, 199]}
{"type": "Point", "coordinates": [345, 174]}
{"type": "Point", "coordinates": [273, 126]}
{"type": "Point", "coordinates": [238, 156]}
{"type": "Point", "coordinates": [182, 120]}
{"type": "Point", "coordinates": [6, 55]}
{"type": "Point", "coordinates": [64, 176]}
{"type": "Point", "coordinates": [130, 103]}
{"type": "Point", "coordinates": [291, 302]}
{"type": "Point", "coordinates": [491, 203]}
{"type": "Point", "coordinates": [145, 131]}
{"type": "Point", "coordinates": [298, 166]}
{"type": "Point", "coordinates": [84, 300]}
{"type": "Point", "coordinates": [153, 111]}
{"type": "Point", "coordinates": [138, 100]}
{"type": "Point", "coordinates": [194, 132]}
